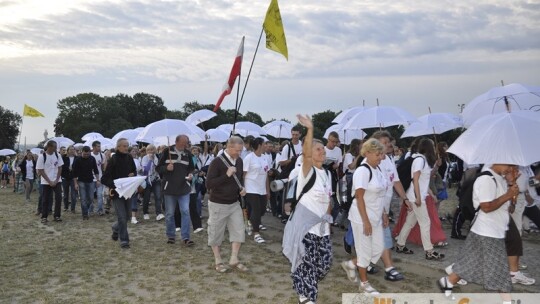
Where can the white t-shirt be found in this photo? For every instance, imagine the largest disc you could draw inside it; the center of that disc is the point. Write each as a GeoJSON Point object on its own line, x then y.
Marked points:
{"type": "Point", "coordinates": [203, 160]}
{"type": "Point", "coordinates": [487, 188]}
{"type": "Point", "coordinates": [152, 173]}
{"type": "Point", "coordinates": [349, 158]}
{"type": "Point", "coordinates": [420, 164]}
{"type": "Point", "coordinates": [256, 168]}
{"type": "Point", "coordinates": [71, 161]}
{"type": "Point", "coordinates": [375, 190]}
{"type": "Point", "coordinates": [333, 155]}
{"type": "Point", "coordinates": [50, 167]}
{"type": "Point", "coordinates": [29, 169]}
{"type": "Point", "coordinates": [388, 167]}
{"type": "Point", "coordinates": [317, 198]}
{"type": "Point", "coordinates": [100, 159]}
{"type": "Point", "coordinates": [285, 151]}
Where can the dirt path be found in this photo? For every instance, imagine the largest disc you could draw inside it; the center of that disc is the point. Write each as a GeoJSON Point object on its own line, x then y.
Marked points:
{"type": "Point", "coordinates": [76, 262]}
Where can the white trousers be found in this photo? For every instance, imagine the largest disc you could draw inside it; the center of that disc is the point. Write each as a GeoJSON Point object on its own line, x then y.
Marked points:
{"type": "Point", "coordinates": [417, 215]}
{"type": "Point", "coordinates": [368, 248]}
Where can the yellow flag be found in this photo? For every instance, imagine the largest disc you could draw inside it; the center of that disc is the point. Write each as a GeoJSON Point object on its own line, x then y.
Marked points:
{"type": "Point", "coordinates": [273, 27]}
{"type": "Point", "coordinates": [29, 111]}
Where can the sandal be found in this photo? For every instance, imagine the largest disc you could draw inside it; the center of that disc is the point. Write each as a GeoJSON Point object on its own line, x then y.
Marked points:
{"type": "Point", "coordinates": [189, 243]}
{"type": "Point", "coordinates": [434, 255]}
{"type": "Point", "coordinates": [403, 249]}
{"type": "Point", "coordinates": [443, 285]}
{"type": "Point", "coordinates": [258, 238]}
{"type": "Point", "coordinates": [239, 266]}
{"type": "Point", "coordinates": [440, 244]}
{"type": "Point", "coordinates": [371, 269]}
{"type": "Point", "coordinates": [221, 268]}
{"type": "Point", "coordinates": [393, 275]}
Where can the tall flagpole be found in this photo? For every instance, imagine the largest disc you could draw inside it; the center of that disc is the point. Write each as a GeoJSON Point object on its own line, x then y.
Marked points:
{"type": "Point", "coordinates": [20, 133]}
{"type": "Point", "coordinates": [237, 107]}
{"type": "Point", "coordinates": [250, 67]}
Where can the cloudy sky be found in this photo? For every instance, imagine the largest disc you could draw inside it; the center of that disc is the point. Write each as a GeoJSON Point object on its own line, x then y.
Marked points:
{"type": "Point", "coordinates": [415, 54]}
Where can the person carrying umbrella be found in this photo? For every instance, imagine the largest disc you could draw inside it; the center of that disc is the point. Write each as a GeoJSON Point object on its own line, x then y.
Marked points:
{"type": "Point", "coordinates": [176, 167]}
{"type": "Point", "coordinates": [120, 165]}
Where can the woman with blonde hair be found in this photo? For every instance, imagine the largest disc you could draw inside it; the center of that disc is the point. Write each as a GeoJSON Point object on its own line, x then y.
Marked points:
{"type": "Point", "coordinates": [367, 213]}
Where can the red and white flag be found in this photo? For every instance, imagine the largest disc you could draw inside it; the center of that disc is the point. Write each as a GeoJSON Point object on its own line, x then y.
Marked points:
{"type": "Point", "coordinates": [235, 72]}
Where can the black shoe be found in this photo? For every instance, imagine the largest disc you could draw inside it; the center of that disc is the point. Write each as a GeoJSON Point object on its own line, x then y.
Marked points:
{"type": "Point", "coordinates": [57, 219]}
{"type": "Point", "coordinates": [125, 246]}
{"type": "Point", "coordinates": [44, 220]}
{"type": "Point", "coordinates": [65, 209]}
{"type": "Point", "coordinates": [85, 217]}
{"type": "Point", "coordinates": [458, 237]}
{"type": "Point", "coordinates": [170, 241]}
{"type": "Point", "coordinates": [371, 269]}
{"type": "Point", "coordinates": [114, 236]}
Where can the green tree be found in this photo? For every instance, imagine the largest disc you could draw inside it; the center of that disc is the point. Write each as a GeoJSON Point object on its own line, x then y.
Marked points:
{"type": "Point", "coordinates": [9, 128]}
{"type": "Point", "coordinates": [78, 115]}
{"type": "Point", "coordinates": [321, 122]}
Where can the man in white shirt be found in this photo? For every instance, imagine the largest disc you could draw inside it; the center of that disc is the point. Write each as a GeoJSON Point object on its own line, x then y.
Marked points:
{"type": "Point", "coordinates": [49, 167]}
{"type": "Point", "coordinates": [101, 163]}
{"type": "Point", "coordinates": [286, 153]}
{"type": "Point", "coordinates": [334, 157]}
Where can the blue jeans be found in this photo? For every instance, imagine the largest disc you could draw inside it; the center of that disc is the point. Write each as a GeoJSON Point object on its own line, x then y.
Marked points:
{"type": "Point", "coordinates": [68, 185]}
{"type": "Point", "coordinates": [87, 196]}
{"type": "Point", "coordinates": [122, 207]}
{"type": "Point", "coordinates": [156, 189]}
{"type": "Point", "coordinates": [170, 205]}
{"type": "Point", "coordinates": [99, 193]}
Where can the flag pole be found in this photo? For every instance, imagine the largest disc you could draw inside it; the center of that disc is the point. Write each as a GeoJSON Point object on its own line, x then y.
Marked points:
{"type": "Point", "coordinates": [20, 133]}
{"type": "Point", "coordinates": [250, 67]}
{"type": "Point", "coordinates": [237, 106]}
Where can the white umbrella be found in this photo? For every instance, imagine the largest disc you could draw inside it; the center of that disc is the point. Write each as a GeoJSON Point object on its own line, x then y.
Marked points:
{"type": "Point", "coordinates": [139, 129]}
{"type": "Point", "coordinates": [217, 135]}
{"type": "Point", "coordinates": [168, 129]}
{"type": "Point", "coordinates": [129, 134]}
{"type": "Point", "coordinates": [6, 152]}
{"type": "Point", "coordinates": [126, 187]}
{"type": "Point", "coordinates": [245, 128]}
{"type": "Point", "coordinates": [515, 96]}
{"type": "Point", "coordinates": [345, 135]}
{"type": "Point", "coordinates": [433, 123]}
{"type": "Point", "coordinates": [504, 138]}
{"type": "Point", "coordinates": [380, 117]}
{"type": "Point", "coordinates": [347, 114]}
{"type": "Point", "coordinates": [36, 151]}
{"type": "Point", "coordinates": [106, 143]}
{"type": "Point", "coordinates": [200, 116]}
{"type": "Point", "coordinates": [91, 136]}
{"type": "Point", "coordinates": [278, 129]}
{"type": "Point", "coordinates": [78, 145]}
{"type": "Point", "coordinates": [61, 141]}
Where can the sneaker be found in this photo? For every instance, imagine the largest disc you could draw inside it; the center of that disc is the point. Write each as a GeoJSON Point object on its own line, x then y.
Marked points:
{"type": "Point", "coordinates": [371, 269]}
{"type": "Point", "coordinates": [178, 229]}
{"type": "Point", "coordinates": [352, 274]}
{"type": "Point", "coordinates": [262, 227]}
{"type": "Point", "coordinates": [160, 217]}
{"type": "Point", "coordinates": [146, 217]}
{"type": "Point", "coordinates": [44, 221]}
{"type": "Point", "coordinates": [366, 288]}
{"type": "Point", "coordinates": [198, 230]}
{"type": "Point", "coordinates": [114, 236]}
{"type": "Point", "coordinates": [450, 271]}
{"type": "Point", "coordinates": [57, 219]}
{"type": "Point", "coordinates": [134, 220]}
{"type": "Point", "coordinates": [520, 278]}
{"type": "Point", "coordinates": [170, 241]}
{"type": "Point", "coordinates": [124, 246]}
{"type": "Point", "coordinates": [258, 239]}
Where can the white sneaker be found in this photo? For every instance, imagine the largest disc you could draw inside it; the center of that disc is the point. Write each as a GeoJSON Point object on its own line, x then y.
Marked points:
{"type": "Point", "coordinates": [262, 227]}
{"type": "Point", "coordinates": [450, 271]}
{"type": "Point", "coordinates": [134, 220]}
{"type": "Point", "coordinates": [146, 217]}
{"type": "Point", "coordinates": [160, 217]}
{"type": "Point", "coordinates": [366, 288]}
{"type": "Point", "coordinates": [178, 229]}
{"type": "Point", "coordinates": [352, 274]}
{"type": "Point", "coordinates": [198, 230]}
{"type": "Point", "coordinates": [520, 278]}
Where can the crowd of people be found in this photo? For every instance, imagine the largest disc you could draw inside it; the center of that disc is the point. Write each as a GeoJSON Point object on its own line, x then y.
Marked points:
{"type": "Point", "coordinates": [352, 190]}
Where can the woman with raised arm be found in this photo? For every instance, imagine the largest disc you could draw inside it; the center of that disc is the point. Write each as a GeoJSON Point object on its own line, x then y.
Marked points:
{"type": "Point", "coordinates": [306, 240]}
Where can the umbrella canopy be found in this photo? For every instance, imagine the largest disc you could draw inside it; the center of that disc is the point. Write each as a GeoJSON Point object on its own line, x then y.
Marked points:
{"type": "Point", "coordinates": [504, 138]}
{"type": "Point", "coordinates": [278, 129]}
{"type": "Point", "coordinates": [168, 129]}
{"type": "Point", "coordinates": [515, 96]}
{"type": "Point", "coordinates": [6, 152]}
{"type": "Point", "coordinates": [36, 151]}
{"type": "Point", "coordinates": [200, 116]}
{"type": "Point", "coordinates": [345, 135]}
{"type": "Point", "coordinates": [126, 187]}
{"type": "Point", "coordinates": [91, 136]}
{"type": "Point", "coordinates": [346, 115]}
{"type": "Point", "coordinates": [217, 135]}
{"type": "Point", "coordinates": [78, 145]}
{"type": "Point", "coordinates": [129, 134]}
{"type": "Point", "coordinates": [106, 143]}
{"type": "Point", "coordinates": [380, 117]}
{"type": "Point", "coordinates": [433, 123]}
{"type": "Point", "coordinates": [245, 128]}
{"type": "Point", "coordinates": [225, 128]}
{"type": "Point", "coordinates": [62, 141]}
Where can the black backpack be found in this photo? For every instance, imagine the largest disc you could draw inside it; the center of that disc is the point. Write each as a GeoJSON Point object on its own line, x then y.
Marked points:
{"type": "Point", "coordinates": [286, 170]}
{"type": "Point", "coordinates": [466, 192]}
{"type": "Point", "coordinates": [404, 172]}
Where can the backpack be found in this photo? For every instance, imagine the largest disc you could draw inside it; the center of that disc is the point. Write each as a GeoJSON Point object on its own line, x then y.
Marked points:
{"type": "Point", "coordinates": [45, 156]}
{"type": "Point", "coordinates": [466, 192]}
{"type": "Point", "coordinates": [5, 168]}
{"type": "Point", "coordinates": [286, 170]}
{"type": "Point", "coordinates": [292, 187]}
{"type": "Point", "coordinates": [404, 172]}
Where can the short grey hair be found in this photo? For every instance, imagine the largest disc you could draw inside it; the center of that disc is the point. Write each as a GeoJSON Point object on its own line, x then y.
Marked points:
{"type": "Point", "coordinates": [235, 140]}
